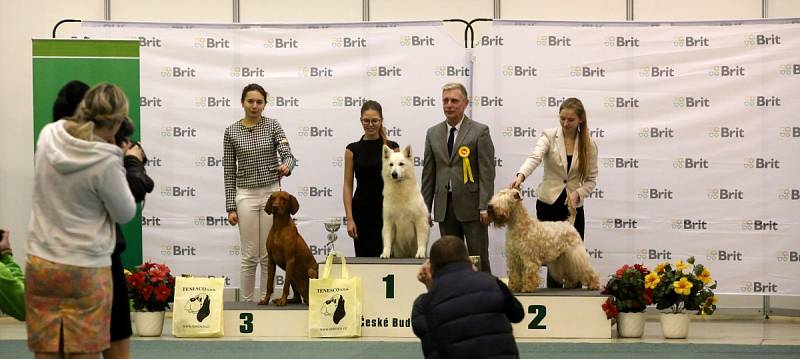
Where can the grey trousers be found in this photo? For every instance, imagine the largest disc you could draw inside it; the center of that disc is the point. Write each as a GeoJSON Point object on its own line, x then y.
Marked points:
{"type": "Point", "coordinates": [475, 234]}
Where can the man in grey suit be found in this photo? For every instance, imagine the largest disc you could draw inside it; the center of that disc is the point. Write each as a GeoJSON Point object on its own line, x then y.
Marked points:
{"type": "Point", "coordinates": [458, 174]}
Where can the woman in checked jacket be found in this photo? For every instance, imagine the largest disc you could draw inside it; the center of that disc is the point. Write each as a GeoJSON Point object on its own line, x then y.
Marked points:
{"type": "Point", "coordinates": [256, 155]}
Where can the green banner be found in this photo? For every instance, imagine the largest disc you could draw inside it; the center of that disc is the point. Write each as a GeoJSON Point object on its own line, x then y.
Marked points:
{"type": "Point", "coordinates": [59, 61]}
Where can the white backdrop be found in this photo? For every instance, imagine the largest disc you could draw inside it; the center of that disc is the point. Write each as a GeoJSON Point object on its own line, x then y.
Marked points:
{"type": "Point", "coordinates": [695, 123]}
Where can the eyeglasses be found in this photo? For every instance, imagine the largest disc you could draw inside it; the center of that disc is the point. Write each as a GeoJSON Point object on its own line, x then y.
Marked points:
{"type": "Point", "coordinates": [370, 121]}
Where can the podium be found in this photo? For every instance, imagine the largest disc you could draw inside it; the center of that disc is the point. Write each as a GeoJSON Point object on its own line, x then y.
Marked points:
{"type": "Point", "coordinates": [390, 288]}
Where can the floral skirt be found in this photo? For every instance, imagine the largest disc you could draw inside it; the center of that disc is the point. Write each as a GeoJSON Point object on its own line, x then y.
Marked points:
{"type": "Point", "coordinates": [68, 303]}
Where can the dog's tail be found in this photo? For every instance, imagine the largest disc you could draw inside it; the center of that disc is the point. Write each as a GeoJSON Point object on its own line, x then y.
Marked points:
{"type": "Point", "coordinates": [574, 266]}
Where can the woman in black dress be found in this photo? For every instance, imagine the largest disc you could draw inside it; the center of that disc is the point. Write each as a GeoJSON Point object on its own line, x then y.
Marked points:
{"type": "Point", "coordinates": [364, 210]}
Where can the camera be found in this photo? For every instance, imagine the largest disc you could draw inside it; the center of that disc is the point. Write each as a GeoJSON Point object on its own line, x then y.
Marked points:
{"type": "Point", "coordinates": [125, 131]}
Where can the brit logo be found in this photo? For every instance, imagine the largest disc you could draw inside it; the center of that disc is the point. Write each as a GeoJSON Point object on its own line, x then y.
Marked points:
{"type": "Point", "coordinates": [178, 72]}
{"type": "Point", "coordinates": [520, 71]}
{"type": "Point", "coordinates": [280, 43]}
{"type": "Point", "coordinates": [176, 250]}
{"type": "Point", "coordinates": [762, 40]}
{"type": "Point", "coordinates": [151, 221]}
{"type": "Point", "coordinates": [653, 254]}
{"type": "Point", "coordinates": [153, 162]}
{"type": "Point", "coordinates": [619, 162]}
{"type": "Point", "coordinates": [337, 161]}
{"type": "Point", "coordinates": [516, 131]}
{"type": "Point", "coordinates": [656, 71]}
{"type": "Point", "coordinates": [726, 71]}
{"type": "Point", "coordinates": [150, 102]}
{"type": "Point", "coordinates": [793, 132]}
{"type": "Point", "coordinates": [384, 71]}
{"type": "Point", "coordinates": [528, 192]}
{"type": "Point", "coordinates": [762, 163]}
{"type": "Point", "coordinates": [418, 101]}
{"type": "Point", "coordinates": [177, 131]}
{"type": "Point", "coordinates": [313, 71]}
{"type": "Point", "coordinates": [211, 221]}
{"type": "Point", "coordinates": [690, 163]}
{"type": "Point", "coordinates": [212, 102]}
{"type": "Point", "coordinates": [348, 101]}
{"type": "Point", "coordinates": [762, 101]}
{"type": "Point", "coordinates": [417, 41]}
{"type": "Point", "coordinates": [621, 41]}
{"type": "Point", "coordinates": [211, 43]}
{"type": "Point", "coordinates": [725, 255]}
{"type": "Point", "coordinates": [243, 71]}
{"type": "Point", "coordinates": [620, 223]}
{"type": "Point", "coordinates": [554, 41]}
{"type": "Point", "coordinates": [726, 132]}
{"type": "Point", "coordinates": [691, 41]}
{"type": "Point", "coordinates": [314, 131]}
{"type": "Point", "coordinates": [487, 40]}
{"type": "Point", "coordinates": [311, 191]}
{"type": "Point", "coordinates": [283, 101]}
{"type": "Point", "coordinates": [149, 42]}
{"type": "Point", "coordinates": [655, 193]}
{"type": "Point", "coordinates": [759, 287]}
{"type": "Point", "coordinates": [789, 194]}
{"type": "Point", "coordinates": [691, 102]}
{"type": "Point", "coordinates": [597, 132]}
{"type": "Point", "coordinates": [549, 101]}
{"type": "Point", "coordinates": [451, 70]}
{"type": "Point", "coordinates": [656, 132]}
{"type": "Point", "coordinates": [790, 69]}
{"type": "Point", "coordinates": [688, 224]}
{"type": "Point", "coordinates": [208, 161]}
{"type": "Point", "coordinates": [394, 131]}
{"type": "Point", "coordinates": [621, 102]}
{"type": "Point", "coordinates": [725, 194]}
{"type": "Point", "coordinates": [594, 253]}
{"type": "Point", "coordinates": [586, 71]}
{"type": "Point", "coordinates": [486, 101]}
{"type": "Point", "coordinates": [178, 191]}
{"type": "Point", "coordinates": [759, 225]}
{"type": "Point", "coordinates": [234, 250]}
{"type": "Point", "coordinates": [349, 42]}
{"type": "Point", "coordinates": [597, 193]}
{"type": "Point", "coordinates": [789, 256]}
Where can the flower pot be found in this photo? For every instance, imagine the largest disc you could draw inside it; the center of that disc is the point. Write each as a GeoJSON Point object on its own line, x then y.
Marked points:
{"type": "Point", "coordinates": [675, 326]}
{"type": "Point", "coordinates": [149, 324]}
{"type": "Point", "coordinates": [630, 325]}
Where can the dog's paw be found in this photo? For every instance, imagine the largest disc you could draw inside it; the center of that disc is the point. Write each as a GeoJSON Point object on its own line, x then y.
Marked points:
{"type": "Point", "coordinates": [279, 301]}
{"type": "Point", "coordinates": [385, 255]}
{"type": "Point", "coordinates": [420, 253]}
{"type": "Point", "coordinates": [264, 301]}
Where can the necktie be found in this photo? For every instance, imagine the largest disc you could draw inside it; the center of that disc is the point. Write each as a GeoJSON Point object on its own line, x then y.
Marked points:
{"type": "Point", "coordinates": [450, 140]}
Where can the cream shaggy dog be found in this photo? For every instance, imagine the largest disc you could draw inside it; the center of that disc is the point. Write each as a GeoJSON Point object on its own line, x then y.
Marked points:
{"type": "Point", "coordinates": [405, 216]}
{"type": "Point", "coordinates": [531, 243]}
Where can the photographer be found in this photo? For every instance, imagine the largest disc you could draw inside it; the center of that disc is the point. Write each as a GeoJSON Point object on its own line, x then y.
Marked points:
{"type": "Point", "coordinates": [12, 283]}
{"type": "Point", "coordinates": [140, 184]}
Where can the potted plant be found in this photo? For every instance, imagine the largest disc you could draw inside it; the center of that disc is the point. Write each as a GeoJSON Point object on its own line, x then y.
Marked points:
{"type": "Point", "coordinates": [151, 288]}
{"type": "Point", "coordinates": [684, 287]}
{"type": "Point", "coordinates": [628, 299]}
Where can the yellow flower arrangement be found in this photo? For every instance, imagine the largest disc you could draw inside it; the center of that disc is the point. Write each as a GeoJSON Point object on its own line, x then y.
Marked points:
{"type": "Point", "coordinates": [678, 289]}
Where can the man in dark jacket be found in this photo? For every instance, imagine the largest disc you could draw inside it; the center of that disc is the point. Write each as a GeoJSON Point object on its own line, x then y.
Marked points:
{"type": "Point", "coordinates": [465, 314]}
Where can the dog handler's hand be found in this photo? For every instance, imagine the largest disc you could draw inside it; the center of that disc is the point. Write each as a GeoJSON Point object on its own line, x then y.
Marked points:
{"type": "Point", "coordinates": [517, 182]}
{"type": "Point", "coordinates": [424, 275]}
{"type": "Point", "coordinates": [233, 218]}
{"type": "Point", "coordinates": [283, 170]}
{"type": "Point", "coordinates": [134, 151]}
{"type": "Point", "coordinates": [485, 218]}
{"type": "Point", "coordinates": [574, 197]}
{"type": "Point", "coordinates": [351, 229]}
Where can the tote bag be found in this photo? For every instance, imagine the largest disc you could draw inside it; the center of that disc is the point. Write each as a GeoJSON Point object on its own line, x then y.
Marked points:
{"type": "Point", "coordinates": [335, 304]}
{"type": "Point", "coordinates": [197, 309]}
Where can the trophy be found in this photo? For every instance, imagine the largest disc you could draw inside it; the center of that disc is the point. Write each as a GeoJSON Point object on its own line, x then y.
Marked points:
{"type": "Point", "coordinates": [332, 225]}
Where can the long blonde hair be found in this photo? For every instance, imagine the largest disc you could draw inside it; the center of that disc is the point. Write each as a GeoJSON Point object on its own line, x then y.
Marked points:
{"type": "Point", "coordinates": [583, 132]}
{"type": "Point", "coordinates": [104, 105]}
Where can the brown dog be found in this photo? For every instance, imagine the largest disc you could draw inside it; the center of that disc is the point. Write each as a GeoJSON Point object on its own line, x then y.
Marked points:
{"type": "Point", "coordinates": [287, 249]}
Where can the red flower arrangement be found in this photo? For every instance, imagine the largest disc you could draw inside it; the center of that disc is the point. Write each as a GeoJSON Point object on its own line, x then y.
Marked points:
{"type": "Point", "coordinates": [151, 287]}
{"type": "Point", "coordinates": [627, 291]}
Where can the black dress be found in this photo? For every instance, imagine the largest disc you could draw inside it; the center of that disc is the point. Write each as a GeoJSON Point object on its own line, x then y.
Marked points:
{"type": "Point", "coordinates": [368, 198]}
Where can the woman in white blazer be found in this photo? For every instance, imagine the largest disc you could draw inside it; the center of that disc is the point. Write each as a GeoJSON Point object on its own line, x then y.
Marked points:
{"type": "Point", "coordinates": [570, 167]}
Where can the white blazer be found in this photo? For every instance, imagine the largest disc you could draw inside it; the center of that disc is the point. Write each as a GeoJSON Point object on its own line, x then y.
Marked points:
{"type": "Point", "coordinates": [551, 151]}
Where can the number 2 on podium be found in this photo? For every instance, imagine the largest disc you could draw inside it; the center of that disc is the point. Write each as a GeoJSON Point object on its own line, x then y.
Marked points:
{"type": "Point", "coordinates": [541, 312]}
{"type": "Point", "coordinates": [389, 279]}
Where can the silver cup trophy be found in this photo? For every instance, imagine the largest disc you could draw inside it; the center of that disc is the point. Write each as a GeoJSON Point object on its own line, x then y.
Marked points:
{"type": "Point", "coordinates": [332, 225]}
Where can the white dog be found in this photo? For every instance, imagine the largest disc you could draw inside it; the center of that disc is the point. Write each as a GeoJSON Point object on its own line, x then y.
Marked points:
{"type": "Point", "coordinates": [531, 243]}
{"type": "Point", "coordinates": [405, 216]}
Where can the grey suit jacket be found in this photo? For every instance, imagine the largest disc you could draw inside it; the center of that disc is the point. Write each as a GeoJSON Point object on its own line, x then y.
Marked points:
{"type": "Point", "coordinates": [439, 169]}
